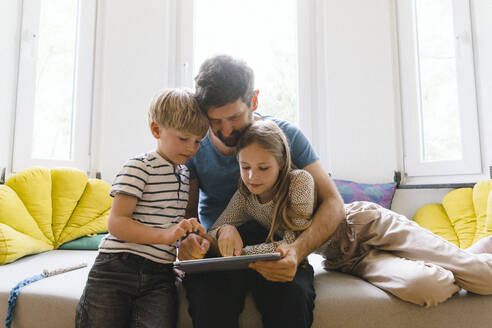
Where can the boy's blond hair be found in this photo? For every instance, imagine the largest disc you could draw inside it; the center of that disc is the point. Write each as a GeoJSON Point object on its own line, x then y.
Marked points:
{"type": "Point", "coordinates": [178, 109]}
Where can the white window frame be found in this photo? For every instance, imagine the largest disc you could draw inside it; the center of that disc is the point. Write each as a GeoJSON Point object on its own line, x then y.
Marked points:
{"type": "Point", "coordinates": [82, 91]}
{"type": "Point", "coordinates": [416, 169]}
{"type": "Point", "coordinates": [180, 16]}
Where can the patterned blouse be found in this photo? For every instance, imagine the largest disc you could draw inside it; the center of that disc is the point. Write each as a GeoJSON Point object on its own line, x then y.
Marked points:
{"type": "Point", "coordinates": [243, 208]}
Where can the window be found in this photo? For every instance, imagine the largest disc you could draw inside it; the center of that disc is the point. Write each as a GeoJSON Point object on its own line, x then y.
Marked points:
{"type": "Point", "coordinates": [439, 111]}
{"type": "Point", "coordinates": [264, 34]}
{"type": "Point", "coordinates": [54, 96]}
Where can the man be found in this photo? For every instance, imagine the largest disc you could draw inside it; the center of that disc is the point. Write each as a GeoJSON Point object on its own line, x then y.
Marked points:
{"type": "Point", "coordinates": [285, 297]}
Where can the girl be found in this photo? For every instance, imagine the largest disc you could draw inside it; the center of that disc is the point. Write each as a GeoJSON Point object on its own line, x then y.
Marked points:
{"type": "Point", "coordinates": [269, 192]}
{"type": "Point", "coordinates": [374, 243]}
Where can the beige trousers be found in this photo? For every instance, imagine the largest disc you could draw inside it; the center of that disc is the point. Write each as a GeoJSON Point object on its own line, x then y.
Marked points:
{"type": "Point", "coordinates": [397, 255]}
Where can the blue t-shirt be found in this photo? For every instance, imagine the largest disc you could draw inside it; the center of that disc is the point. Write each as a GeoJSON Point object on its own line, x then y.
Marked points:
{"type": "Point", "coordinates": [218, 175]}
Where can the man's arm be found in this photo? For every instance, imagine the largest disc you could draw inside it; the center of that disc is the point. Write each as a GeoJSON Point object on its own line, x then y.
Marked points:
{"type": "Point", "coordinates": [328, 216]}
{"type": "Point", "coordinates": [194, 246]}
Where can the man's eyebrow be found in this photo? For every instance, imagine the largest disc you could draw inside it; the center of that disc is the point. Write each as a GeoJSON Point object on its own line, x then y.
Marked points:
{"type": "Point", "coordinates": [227, 118]}
{"type": "Point", "coordinates": [236, 115]}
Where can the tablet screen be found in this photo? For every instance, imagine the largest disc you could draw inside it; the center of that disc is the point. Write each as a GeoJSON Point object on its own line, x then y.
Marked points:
{"type": "Point", "coordinates": [223, 263]}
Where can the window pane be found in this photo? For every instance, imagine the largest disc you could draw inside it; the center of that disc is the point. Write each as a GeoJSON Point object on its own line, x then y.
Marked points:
{"type": "Point", "coordinates": [264, 34]}
{"type": "Point", "coordinates": [52, 135]}
{"type": "Point", "coordinates": [438, 80]}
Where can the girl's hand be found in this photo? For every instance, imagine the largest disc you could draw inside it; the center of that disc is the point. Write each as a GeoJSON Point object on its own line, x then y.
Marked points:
{"type": "Point", "coordinates": [230, 242]}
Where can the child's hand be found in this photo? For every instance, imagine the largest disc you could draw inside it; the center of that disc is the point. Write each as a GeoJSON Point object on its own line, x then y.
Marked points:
{"type": "Point", "coordinates": [196, 226]}
{"type": "Point", "coordinates": [193, 247]}
{"type": "Point", "coordinates": [230, 242]}
{"type": "Point", "coordinates": [183, 228]}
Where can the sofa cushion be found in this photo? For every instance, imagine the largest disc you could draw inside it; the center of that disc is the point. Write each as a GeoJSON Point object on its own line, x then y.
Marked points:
{"type": "Point", "coordinates": [41, 209]}
{"type": "Point", "coordinates": [463, 218]}
{"type": "Point", "coordinates": [90, 242]}
{"type": "Point", "coordinates": [341, 300]}
{"type": "Point", "coordinates": [380, 193]}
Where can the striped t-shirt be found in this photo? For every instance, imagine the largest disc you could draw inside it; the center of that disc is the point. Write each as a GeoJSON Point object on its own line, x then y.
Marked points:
{"type": "Point", "coordinates": [162, 193]}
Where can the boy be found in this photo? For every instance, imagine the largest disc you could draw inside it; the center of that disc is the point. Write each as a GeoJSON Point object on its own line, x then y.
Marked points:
{"type": "Point", "coordinates": [132, 280]}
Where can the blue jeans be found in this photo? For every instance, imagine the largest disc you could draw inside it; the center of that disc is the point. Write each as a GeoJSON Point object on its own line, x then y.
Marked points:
{"type": "Point", "coordinates": [216, 299]}
{"type": "Point", "coordinates": [127, 290]}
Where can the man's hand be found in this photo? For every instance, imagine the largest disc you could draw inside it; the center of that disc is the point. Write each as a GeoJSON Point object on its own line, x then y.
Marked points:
{"type": "Point", "coordinates": [230, 241]}
{"type": "Point", "coordinates": [282, 270]}
{"type": "Point", "coordinates": [193, 247]}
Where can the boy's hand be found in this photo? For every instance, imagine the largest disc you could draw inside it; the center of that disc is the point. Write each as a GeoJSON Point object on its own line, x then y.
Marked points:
{"type": "Point", "coordinates": [183, 228]}
{"type": "Point", "coordinates": [230, 242]}
{"type": "Point", "coordinates": [196, 227]}
{"type": "Point", "coordinates": [193, 247]}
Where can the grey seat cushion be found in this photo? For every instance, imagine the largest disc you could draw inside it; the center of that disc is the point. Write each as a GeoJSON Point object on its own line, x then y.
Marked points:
{"type": "Point", "coordinates": [342, 300]}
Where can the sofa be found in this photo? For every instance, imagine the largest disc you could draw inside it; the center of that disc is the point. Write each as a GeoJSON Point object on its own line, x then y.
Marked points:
{"type": "Point", "coordinates": [342, 300]}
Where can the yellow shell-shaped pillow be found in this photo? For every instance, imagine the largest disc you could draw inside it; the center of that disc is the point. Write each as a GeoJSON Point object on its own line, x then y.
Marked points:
{"type": "Point", "coordinates": [463, 218]}
{"type": "Point", "coordinates": [40, 209]}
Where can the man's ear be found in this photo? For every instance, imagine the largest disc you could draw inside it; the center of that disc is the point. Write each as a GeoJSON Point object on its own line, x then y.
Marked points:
{"type": "Point", "coordinates": [254, 101]}
{"type": "Point", "coordinates": [155, 129]}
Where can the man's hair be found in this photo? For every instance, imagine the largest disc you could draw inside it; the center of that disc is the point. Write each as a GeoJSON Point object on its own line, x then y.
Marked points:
{"type": "Point", "coordinates": [178, 109]}
{"type": "Point", "coordinates": [223, 80]}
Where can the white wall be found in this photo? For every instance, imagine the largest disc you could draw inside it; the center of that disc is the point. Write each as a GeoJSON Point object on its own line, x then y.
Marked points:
{"type": "Point", "coordinates": [131, 66]}
{"type": "Point", "coordinates": [408, 201]}
{"type": "Point", "coordinates": [361, 92]}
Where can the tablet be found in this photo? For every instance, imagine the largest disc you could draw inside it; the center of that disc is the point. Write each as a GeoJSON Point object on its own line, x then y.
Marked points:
{"type": "Point", "coordinates": [223, 263]}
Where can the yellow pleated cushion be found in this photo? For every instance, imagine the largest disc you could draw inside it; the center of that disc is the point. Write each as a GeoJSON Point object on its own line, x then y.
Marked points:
{"type": "Point", "coordinates": [68, 187]}
{"type": "Point", "coordinates": [461, 212]}
{"type": "Point", "coordinates": [488, 221]}
{"type": "Point", "coordinates": [13, 213]}
{"type": "Point", "coordinates": [464, 217]}
{"type": "Point", "coordinates": [91, 214]}
{"type": "Point", "coordinates": [19, 232]}
{"type": "Point", "coordinates": [15, 244]}
{"type": "Point", "coordinates": [41, 209]}
{"type": "Point", "coordinates": [481, 192]}
{"type": "Point", "coordinates": [33, 186]}
{"type": "Point", "coordinates": [434, 218]}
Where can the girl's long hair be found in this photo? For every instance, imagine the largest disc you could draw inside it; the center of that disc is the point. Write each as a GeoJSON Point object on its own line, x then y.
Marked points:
{"type": "Point", "coordinates": [270, 137]}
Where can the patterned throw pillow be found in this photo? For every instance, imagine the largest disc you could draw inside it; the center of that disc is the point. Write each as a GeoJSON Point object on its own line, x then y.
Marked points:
{"type": "Point", "coordinates": [381, 194]}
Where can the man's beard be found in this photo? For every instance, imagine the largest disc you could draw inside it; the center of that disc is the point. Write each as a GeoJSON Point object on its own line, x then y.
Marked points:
{"type": "Point", "coordinates": [231, 140]}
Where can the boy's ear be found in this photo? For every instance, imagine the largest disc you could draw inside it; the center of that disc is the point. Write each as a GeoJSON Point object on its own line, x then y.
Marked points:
{"type": "Point", "coordinates": [254, 101]}
{"type": "Point", "coordinates": [155, 129]}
